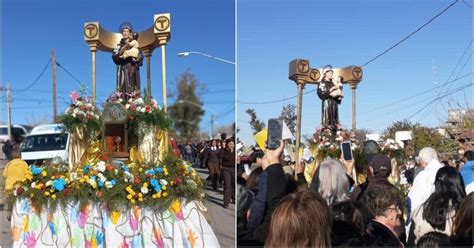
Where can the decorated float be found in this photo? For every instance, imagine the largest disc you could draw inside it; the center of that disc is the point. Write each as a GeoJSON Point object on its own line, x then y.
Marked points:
{"type": "Point", "coordinates": [123, 185]}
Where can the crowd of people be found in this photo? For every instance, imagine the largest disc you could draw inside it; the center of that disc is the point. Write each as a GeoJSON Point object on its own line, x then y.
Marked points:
{"type": "Point", "coordinates": [218, 156]}
{"type": "Point", "coordinates": [278, 207]}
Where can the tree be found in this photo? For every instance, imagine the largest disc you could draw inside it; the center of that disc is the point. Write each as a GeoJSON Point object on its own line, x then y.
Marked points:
{"type": "Point", "coordinates": [288, 114]}
{"type": "Point", "coordinates": [227, 129]}
{"type": "Point", "coordinates": [404, 125]}
{"type": "Point", "coordinates": [187, 111]}
{"type": "Point", "coordinates": [430, 137]}
{"type": "Point", "coordinates": [256, 124]}
{"type": "Point", "coordinates": [360, 135]}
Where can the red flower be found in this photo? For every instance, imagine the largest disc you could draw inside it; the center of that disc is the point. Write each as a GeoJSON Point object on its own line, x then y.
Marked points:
{"type": "Point", "coordinates": [109, 167]}
{"type": "Point", "coordinates": [137, 180]}
{"type": "Point", "coordinates": [148, 108]}
{"type": "Point", "coordinates": [43, 187]}
{"type": "Point", "coordinates": [178, 181]}
{"type": "Point", "coordinates": [19, 190]}
{"type": "Point", "coordinates": [58, 176]}
{"type": "Point", "coordinates": [67, 191]}
{"type": "Point", "coordinates": [99, 194]}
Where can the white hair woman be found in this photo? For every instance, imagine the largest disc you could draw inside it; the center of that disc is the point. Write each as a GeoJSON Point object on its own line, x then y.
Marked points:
{"type": "Point", "coordinates": [331, 181]}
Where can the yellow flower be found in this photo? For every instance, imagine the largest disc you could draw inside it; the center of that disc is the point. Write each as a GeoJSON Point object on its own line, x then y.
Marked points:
{"type": "Point", "coordinates": [129, 197]}
{"type": "Point", "coordinates": [165, 194]}
{"type": "Point", "coordinates": [140, 195]}
{"type": "Point", "coordinates": [145, 184]}
{"type": "Point", "coordinates": [82, 180]}
{"type": "Point", "coordinates": [166, 173]}
{"type": "Point", "coordinates": [132, 201]}
{"type": "Point", "coordinates": [31, 194]}
{"type": "Point", "coordinates": [46, 193]}
{"type": "Point", "coordinates": [51, 190]}
{"type": "Point", "coordinates": [163, 187]}
{"type": "Point", "coordinates": [44, 173]}
{"type": "Point", "coordinates": [140, 199]}
{"type": "Point", "coordinates": [53, 197]}
{"type": "Point", "coordinates": [153, 196]}
{"type": "Point", "coordinates": [171, 183]}
{"type": "Point", "coordinates": [29, 176]}
{"type": "Point", "coordinates": [140, 169]}
{"type": "Point", "coordinates": [52, 177]}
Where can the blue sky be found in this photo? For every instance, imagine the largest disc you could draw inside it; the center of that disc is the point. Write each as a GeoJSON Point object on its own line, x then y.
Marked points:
{"type": "Point", "coordinates": [342, 33]}
{"type": "Point", "coordinates": [30, 29]}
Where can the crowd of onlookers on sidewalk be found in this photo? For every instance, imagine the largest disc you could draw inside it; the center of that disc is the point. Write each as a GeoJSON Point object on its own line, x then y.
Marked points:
{"type": "Point", "coordinates": [277, 206]}
{"type": "Point", "coordinates": [218, 156]}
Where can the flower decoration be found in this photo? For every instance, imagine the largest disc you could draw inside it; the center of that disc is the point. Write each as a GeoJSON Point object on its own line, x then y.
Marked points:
{"type": "Point", "coordinates": [81, 114]}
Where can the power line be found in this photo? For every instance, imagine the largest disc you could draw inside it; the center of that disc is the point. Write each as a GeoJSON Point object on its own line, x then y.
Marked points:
{"type": "Point", "coordinates": [439, 97]}
{"type": "Point", "coordinates": [410, 35]}
{"type": "Point", "coordinates": [470, 6]}
{"type": "Point", "coordinates": [416, 95]}
{"type": "Point", "coordinates": [275, 101]}
{"type": "Point", "coordinates": [36, 80]}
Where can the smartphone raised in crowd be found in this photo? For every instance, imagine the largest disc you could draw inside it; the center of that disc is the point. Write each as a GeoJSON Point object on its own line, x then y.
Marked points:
{"type": "Point", "coordinates": [346, 150]}
{"type": "Point", "coordinates": [275, 131]}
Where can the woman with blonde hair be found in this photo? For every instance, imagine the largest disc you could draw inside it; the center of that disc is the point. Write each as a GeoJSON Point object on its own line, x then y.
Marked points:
{"type": "Point", "coordinates": [300, 219]}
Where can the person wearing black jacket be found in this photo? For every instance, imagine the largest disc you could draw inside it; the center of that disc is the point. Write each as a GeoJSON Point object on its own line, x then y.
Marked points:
{"type": "Point", "coordinates": [228, 167]}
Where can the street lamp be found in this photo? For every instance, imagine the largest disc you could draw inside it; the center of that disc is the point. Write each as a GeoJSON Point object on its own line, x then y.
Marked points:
{"type": "Point", "coordinates": [185, 54]}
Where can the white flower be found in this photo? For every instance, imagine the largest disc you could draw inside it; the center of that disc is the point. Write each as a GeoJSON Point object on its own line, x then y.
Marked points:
{"type": "Point", "coordinates": [127, 106]}
{"type": "Point", "coordinates": [33, 185]}
{"type": "Point", "coordinates": [101, 177]}
{"type": "Point", "coordinates": [144, 190]}
{"type": "Point", "coordinates": [143, 110]}
{"type": "Point", "coordinates": [92, 182]}
{"type": "Point", "coordinates": [120, 100]}
{"type": "Point", "coordinates": [101, 166]}
{"type": "Point", "coordinates": [49, 183]}
{"type": "Point", "coordinates": [108, 184]}
{"type": "Point", "coordinates": [163, 182]}
{"type": "Point", "coordinates": [74, 115]}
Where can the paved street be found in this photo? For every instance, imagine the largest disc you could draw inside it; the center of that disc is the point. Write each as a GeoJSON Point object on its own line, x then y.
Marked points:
{"type": "Point", "coordinates": [222, 220]}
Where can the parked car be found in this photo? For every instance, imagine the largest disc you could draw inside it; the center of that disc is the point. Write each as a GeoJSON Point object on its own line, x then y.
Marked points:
{"type": "Point", "coordinates": [18, 132]}
{"type": "Point", "coordinates": [45, 142]}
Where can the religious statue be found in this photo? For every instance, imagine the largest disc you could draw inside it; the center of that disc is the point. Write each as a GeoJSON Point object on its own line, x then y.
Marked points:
{"type": "Point", "coordinates": [330, 92]}
{"type": "Point", "coordinates": [128, 59]}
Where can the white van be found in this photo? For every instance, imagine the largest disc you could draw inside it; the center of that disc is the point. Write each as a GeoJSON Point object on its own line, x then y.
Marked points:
{"type": "Point", "coordinates": [45, 142]}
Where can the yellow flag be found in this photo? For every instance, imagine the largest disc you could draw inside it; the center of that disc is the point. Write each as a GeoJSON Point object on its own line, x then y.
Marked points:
{"type": "Point", "coordinates": [261, 138]}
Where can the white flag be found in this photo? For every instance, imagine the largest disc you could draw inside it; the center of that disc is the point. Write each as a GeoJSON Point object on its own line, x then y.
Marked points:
{"type": "Point", "coordinates": [286, 133]}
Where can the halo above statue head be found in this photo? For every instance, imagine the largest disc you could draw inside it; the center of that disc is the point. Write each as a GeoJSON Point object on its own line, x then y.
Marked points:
{"type": "Point", "coordinates": [327, 68]}
{"type": "Point", "coordinates": [126, 25]}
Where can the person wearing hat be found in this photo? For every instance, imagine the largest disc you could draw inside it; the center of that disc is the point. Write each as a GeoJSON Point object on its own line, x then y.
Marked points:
{"type": "Point", "coordinates": [330, 92]}
{"type": "Point", "coordinates": [128, 68]}
{"type": "Point", "coordinates": [380, 168]}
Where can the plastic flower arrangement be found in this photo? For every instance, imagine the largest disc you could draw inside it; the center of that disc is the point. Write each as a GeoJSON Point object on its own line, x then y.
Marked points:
{"type": "Point", "coordinates": [45, 186]}
{"type": "Point", "coordinates": [141, 110]}
{"type": "Point", "coordinates": [117, 185]}
{"type": "Point", "coordinates": [328, 142]}
{"type": "Point", "coordinates": [81, 114]}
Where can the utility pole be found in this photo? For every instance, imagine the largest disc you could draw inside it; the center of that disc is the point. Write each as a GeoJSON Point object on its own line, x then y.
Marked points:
{"type": "Point", "coordinates": [53, 61]}
{"type": "Point", "coordinates": [212, 126]}
{"type": "Point", "coordinates": [9, 113]}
